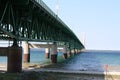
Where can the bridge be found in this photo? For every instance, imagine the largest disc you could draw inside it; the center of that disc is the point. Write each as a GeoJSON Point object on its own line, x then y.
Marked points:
{"type": "Point", "coordinates": [32, 20]}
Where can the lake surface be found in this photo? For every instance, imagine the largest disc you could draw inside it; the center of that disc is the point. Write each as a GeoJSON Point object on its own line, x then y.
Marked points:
{"type": "Point", "coordinates": [85, 61]}
{"type": "Point", "coordinates": [93, 60]}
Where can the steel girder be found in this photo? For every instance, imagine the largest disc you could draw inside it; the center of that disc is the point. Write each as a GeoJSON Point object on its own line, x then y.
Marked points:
{"type": "Point", "coordinates": [34, 22]}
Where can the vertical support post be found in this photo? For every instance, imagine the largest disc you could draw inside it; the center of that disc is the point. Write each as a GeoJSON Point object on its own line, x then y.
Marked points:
{"type": "Point", "coordinates": [74, 51]}
{"type": "Point", "coordinates": [47, 53]}
{"type": "Point", "coordinates": [14, 58]}
{"type": "Point", "coordinates": [79, 50]}
{"type": "Point", "coordinates": [69, 53]}
{"type": "Point", "coordinates": [65, 52]}
{"type": "Point", "coordinates": [54, 53]}
{"type": "Point", "coordinates": [26, 52]}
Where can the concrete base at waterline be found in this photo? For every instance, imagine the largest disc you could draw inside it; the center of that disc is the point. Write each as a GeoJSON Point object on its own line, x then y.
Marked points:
{"type": "Point", "coordinates": [26, 58]}
{"type": "Point", "coordinates": [14, 59]}
{"type": "Point", "coordinates": [65, 55]}
{"type": "Point", "coordinates": [47, 55]}
{"type": "Point", "coordinates": [54, 58]}
{"type": "Point", "coordinates": [75, 53]}
{"type": "Point", "coordinates": [69, 54]}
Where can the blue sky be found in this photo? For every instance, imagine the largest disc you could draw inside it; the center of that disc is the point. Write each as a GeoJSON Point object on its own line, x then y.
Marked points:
{"type": "Point", "coordinates": [99, 19]}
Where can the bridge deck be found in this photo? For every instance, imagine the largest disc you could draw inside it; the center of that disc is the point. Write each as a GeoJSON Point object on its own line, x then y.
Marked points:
{"type": "Point", "coordinates": [33, 20]}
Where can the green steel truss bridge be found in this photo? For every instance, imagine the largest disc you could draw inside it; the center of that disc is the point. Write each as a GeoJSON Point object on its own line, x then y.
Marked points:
{"type": "Point", "coordinates": [33, 20]}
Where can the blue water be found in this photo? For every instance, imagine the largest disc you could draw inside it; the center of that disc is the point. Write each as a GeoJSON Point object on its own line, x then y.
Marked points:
{"type": "Point", "coordinates": [88, 60]}
{"type": "Point", "coordinates": [93, 60]}
{"type": "Point", "coordinates": [3, 59]}
{"type": "Point", "coordinates": [36, 56]}
{"type": "Point", "coordinates": [111, 58]}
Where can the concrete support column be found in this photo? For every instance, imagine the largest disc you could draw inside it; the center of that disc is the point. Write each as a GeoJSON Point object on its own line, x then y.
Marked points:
{"type": "Point", "coordinates": [54, 53]}
{"type": "Point", "coordinates": [47, 53]}
{"type": "Point", "coordinates": [65, 52]}
{"type": "Point", "coordinates": [74, 51]}
{"type": "Point", "coordinates": [14, 58]}
{"type": "Point", "coordinates": [69, 53]}
{"type": "Point", "coordinates": [79, 51]}
{"type": "Point", "coordinates": [26, 52]}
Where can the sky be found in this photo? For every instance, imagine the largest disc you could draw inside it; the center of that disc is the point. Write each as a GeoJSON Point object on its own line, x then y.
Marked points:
{"type": "Point", "coordinates": [98, 19]}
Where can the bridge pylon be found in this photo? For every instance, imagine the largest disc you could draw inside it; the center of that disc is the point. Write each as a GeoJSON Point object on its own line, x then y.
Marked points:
{"type": "Point", "coordinates": [69, 53]}
{"type": "Point", "coordinates": [65, 51]}
{"type": "Point", "coordinates": [26, 52]}
{"type": "Point", "coordinates": [14, 58]}
{"type": "Point", "coordinates": [54, 53]}
{"type": "Point", "coordinates": [47, 53]}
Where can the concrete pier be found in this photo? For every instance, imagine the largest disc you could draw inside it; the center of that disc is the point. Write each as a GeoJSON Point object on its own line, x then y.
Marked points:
{"type": "Point", "coordinates": [47, 53]}
{"type": "Point", "coordinates": [54, 53]}
{"type": "Point", "coordinates": [65, 52]}
{"type": "Point", "coordinates": [14, 58]}
{"type": "Point", "coordinates": [3, 51]}
{"type": "Point", "coordinates": [74, 51]}
{"type": "Point", "coordinates": [69, 53]}
{"type": "Point", "coordinates": [26, 52]}
{"type": "Point", "coordinates": [79, 51]}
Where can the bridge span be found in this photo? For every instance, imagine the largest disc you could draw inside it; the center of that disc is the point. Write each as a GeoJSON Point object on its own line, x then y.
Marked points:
{"type": "Point", "coordinates": [32, 20]}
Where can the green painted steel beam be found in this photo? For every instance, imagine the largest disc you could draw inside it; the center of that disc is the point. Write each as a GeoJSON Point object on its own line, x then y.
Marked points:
{"type": "Point", "coordinates": [8, 33]}
{"type": "Point", "coordinates": [20, 2]}
{"type": "Point", "coordinates": [34, 21]}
